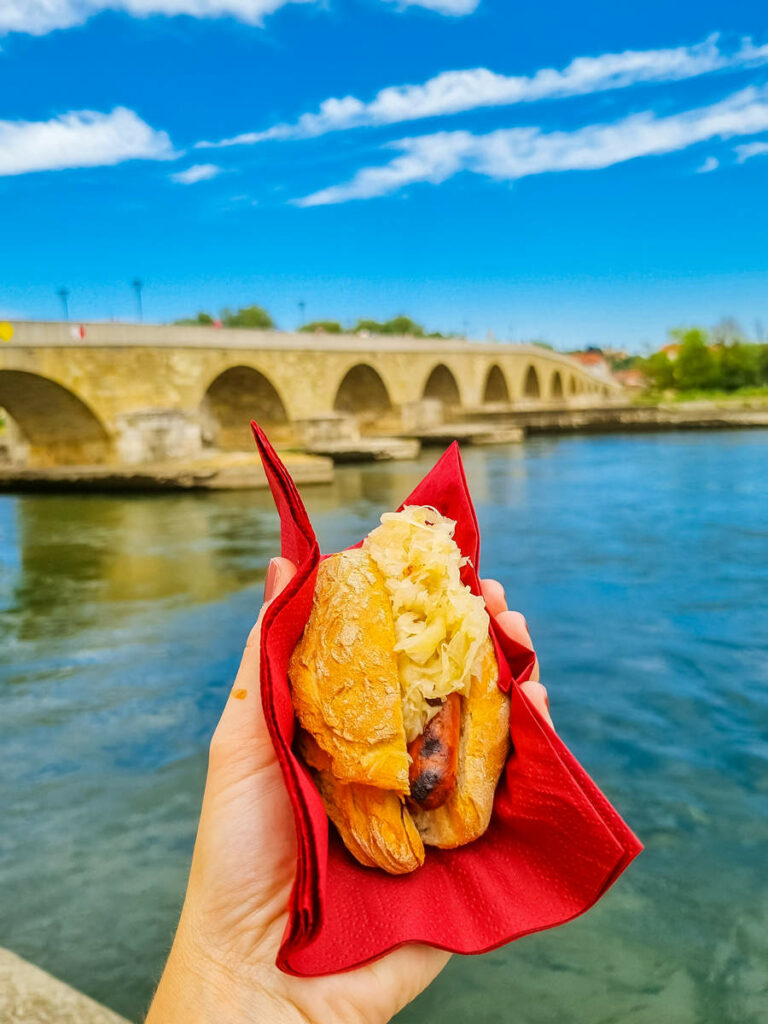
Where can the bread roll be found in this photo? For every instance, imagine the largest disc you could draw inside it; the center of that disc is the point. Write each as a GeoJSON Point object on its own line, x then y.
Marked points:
{"type": "Point", "coordinates": [392, 632]}
{"type": "Point", "coordinates": [343, 674]}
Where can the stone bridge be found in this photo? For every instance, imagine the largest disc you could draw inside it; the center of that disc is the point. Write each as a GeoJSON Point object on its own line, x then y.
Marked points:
{"type": "Point", "coordinates": [129, 393]}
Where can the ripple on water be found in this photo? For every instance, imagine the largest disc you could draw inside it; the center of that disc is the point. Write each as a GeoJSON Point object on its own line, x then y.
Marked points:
{"type": "Point", "coordinates": [641, 564]}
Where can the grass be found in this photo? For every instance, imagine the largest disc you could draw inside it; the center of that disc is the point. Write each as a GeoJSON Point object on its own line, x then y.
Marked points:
{"type": "Point", "coordinates": [750, 396]}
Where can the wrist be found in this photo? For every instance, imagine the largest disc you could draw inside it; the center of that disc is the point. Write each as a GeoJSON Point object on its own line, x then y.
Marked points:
{"type": "Point", "coordinates": [197, 987]}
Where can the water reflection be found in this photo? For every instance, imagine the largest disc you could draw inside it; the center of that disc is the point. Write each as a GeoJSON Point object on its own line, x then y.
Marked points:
{"type": "Point", "coordinates": [74, 555]}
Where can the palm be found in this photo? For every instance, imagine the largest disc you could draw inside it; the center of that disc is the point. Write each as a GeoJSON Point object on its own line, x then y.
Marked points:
{"type": "Point", "coordinates": [244, 863]}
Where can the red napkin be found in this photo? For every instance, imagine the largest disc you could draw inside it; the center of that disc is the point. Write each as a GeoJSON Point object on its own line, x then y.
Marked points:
{"type": "Point", "coordinates": [554, 844]}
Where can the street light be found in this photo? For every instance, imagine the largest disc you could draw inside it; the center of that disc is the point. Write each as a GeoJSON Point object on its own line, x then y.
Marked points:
{"type": "Point", "coordinates": [302, 307]}
{"type": "Point", "coordinates": [63, 294]}
{"type": "Point", "coordinates": [138, 285]}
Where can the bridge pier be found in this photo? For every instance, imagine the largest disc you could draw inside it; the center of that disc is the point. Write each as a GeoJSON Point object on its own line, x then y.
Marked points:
{"type": "Point", "coordinates": [157, 435]}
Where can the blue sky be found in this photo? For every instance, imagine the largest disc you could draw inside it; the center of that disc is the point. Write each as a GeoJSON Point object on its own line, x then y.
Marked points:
{"type": "Point", "coordinates": [581, 173]}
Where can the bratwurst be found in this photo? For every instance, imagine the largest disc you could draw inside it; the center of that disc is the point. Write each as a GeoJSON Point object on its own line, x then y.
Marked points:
{"type": "Point", "coordinates": [394, 684]}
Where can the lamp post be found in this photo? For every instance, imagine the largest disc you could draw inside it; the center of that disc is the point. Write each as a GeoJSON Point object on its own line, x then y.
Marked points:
{"type": "Point", "coordinates": [302, 307]}
{"type": "Point", "coordinates": [63, 294]}
{"type": "Point", "coordinates": [138, 285]}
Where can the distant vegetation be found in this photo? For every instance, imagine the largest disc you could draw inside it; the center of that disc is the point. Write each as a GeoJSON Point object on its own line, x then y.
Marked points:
{"type": "Point", "coordinates": [399, 325]}
{"type": "Point", "coordinates": [202, 319]}
{"type": "Point", "coordinates": [257, 316]}
{"type": "Point", "coordinates": [322, 327]}
{"type": "Point", "coordinates": [698, 360]}
{"type": "Point", "coordinates": [248, 316]}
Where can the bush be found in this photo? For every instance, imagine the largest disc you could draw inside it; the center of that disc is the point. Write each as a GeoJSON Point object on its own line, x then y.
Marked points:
{"type": "Point", "coordinates": [398, 325]}
{"type": "Point", "coordinates": [659, 370]}
{"type": "Point", "coordinates": [322, 327]}
{"type": "Point", "coordinates": [247, 316]}
{"type": "Point", "coordinates": [202, 319]}
{"type": "Point", "coordinates": [696, 365]}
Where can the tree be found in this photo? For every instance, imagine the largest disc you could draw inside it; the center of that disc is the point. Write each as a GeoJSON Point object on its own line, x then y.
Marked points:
{"type": "Point", "coordinates": [247, 316]}
{"type": "Point", "coordinates": [202, 319]}
{"type": "Point", "coordinates": [322, 327]}
{"type": "Point", "coordinates": [696, 366]}
{"type": "Point", "coordinates": [659, 371]}
{"type": "Point", "coordinates": [739, 366]}
{"type": "Point", "coordinates": [400, 325]}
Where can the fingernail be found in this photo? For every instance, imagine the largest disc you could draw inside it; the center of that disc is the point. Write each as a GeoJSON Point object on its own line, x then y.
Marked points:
{"type": "Point", "coordinates": [272, 580]}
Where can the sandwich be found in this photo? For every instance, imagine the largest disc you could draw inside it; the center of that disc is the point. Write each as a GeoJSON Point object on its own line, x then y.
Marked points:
{"type": "Point", "coordinates": [395, 686]}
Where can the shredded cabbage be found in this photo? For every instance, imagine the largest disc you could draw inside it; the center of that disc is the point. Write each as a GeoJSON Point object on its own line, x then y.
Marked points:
{"type": "Point", "coordinates": [440, 624]}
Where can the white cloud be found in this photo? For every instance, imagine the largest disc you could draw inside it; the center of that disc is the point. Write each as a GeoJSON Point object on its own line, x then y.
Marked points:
{"type": "Point", "coordinates": [82, 138]}
{"type": "Point", "coordinates": [195, 173]}
{"type": "Point", "coordinates": [37, 17]}
{"type": "Point", "coordinates": [710, 164]}
{"type": "Point", "coordinates": [509, 154]}
{"type": "Point", "coordinates": [451, 7]}
{"type": "Point", "coordinates": [453, 92]}
{"type": "Point", "coordinates": [751, 149]}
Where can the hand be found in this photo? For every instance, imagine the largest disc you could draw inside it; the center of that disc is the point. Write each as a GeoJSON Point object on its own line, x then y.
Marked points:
{"type": "Point", "coordinates": [221, 969]}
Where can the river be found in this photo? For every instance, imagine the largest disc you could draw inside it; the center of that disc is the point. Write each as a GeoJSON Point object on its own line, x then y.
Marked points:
{"type": "Point", "coordinates": [641, 564]}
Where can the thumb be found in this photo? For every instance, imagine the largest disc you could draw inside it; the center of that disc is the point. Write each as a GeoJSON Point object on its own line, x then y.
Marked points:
{"type": "Point", "coordinates": [242, 737]}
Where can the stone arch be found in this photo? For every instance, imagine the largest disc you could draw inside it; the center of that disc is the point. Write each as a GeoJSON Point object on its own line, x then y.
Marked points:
{"type": "Point", "coordinates": [556, 385]}
{"type": "Point", "coordinates": [531, 385]}
{"type": "Point", "coordinates": [496, 389]}
{"type": "Point", "coordinates": [441, 384]}
{"type": "Point", "coordinates": [56, 427]}
{"type": "Point", "coordinates": [362, 392]}
{"type": "Point", "coordinates": [236, 396]}
{"type": "Point", "coordinates": [571, 385]}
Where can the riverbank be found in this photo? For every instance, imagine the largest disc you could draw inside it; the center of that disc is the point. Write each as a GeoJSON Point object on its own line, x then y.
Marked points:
{"type": "Point", "coordinates": [29, 995]}
{"type": "Point", "coordinates": [225, 471]}
{"type": "Point", "coordinates": [629, 417]}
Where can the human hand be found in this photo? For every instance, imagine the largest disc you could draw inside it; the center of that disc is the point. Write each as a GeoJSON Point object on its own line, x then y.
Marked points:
{"type": "Point", "coordinates": [221, 969]}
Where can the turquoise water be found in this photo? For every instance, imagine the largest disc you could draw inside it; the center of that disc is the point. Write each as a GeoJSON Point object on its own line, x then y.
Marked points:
{"type": "Point", "coordinates": [642, 566]}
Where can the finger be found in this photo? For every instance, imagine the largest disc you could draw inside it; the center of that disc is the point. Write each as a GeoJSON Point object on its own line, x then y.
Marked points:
{"type": "Point", "coordinates": [495, 598]}
{"type": "Point", "coordinates": [516, 628]}
{"type": "Point", "coordinates": [242, 728]}
{"type": "Point", "coordinates": [537, 695]}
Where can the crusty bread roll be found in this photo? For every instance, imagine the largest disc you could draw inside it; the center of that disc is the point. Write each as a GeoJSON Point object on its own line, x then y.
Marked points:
{"type": "Point", "coordinates": [391, 634]}
{"type": "Point", "coordinates": [343, 674]}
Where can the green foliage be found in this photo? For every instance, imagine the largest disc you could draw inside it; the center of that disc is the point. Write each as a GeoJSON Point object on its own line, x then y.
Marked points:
{"type": "Point", "coordinates": [708, 362]}
{"type": "Point", "coordinates": [696, 365]}
{"type": "Point", "coordinates": [247, 316]}
{"type": "Point", "coordinates": [202, 319]}
{"type": "Point", "coordinates": [400, 325]}
{"type": "Point", "coordinates": [322, 327]}
{"type": "Point", "coordinates": [659, 371]}
{"type": "Point", "coordinates": [740, 366]}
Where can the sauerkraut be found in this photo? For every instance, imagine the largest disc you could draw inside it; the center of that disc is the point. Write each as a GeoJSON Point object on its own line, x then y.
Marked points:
{"type": "Point", "coordinates": [440, 624]}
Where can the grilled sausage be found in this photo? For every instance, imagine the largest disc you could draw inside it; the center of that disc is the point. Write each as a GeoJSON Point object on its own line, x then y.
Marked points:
{"type": "Point", "coordinates": [435, 756]}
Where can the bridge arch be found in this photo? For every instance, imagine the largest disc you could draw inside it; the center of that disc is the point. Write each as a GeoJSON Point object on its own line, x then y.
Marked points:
{"type": "Point", "coordinates": [572, 385]}
{"type": "Point", "coordinates": [556, 385]}
{"type": "Point", "coordinates": [531, 385]}
{"type": "Point", "coordinates": [58, 427]}
{"type": "Point", "coordinates": [442, 384]}
{"type": "Point", "coordinates": [236, 396]}
{"type": "Point", "coordinates": [495, 389]}
{"type": "Point", "coordinates": [362, 391]}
